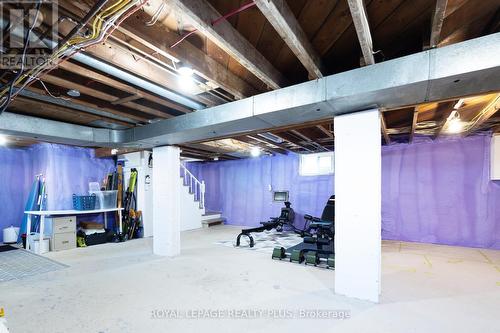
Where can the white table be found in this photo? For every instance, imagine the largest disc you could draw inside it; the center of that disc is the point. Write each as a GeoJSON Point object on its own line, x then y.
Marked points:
{"type": "Point", "coordinates": [45, 213]}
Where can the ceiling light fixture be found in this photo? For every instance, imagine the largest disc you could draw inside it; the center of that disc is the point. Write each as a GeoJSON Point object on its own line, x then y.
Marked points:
{"type": "Point", "coordinates": [73, 93]}
{"type": "Point", "coordinates": [185, 78]}
{"type": "Point", "coordinates": [455, 124]}
{"type": "Point", "coordinates": [255, 151]}
{"type": "Point", "coordinates": [3, 140]}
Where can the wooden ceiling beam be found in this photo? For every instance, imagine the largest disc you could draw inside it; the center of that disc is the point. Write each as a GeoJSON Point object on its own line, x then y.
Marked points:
{"type": "Point", "coordinates": [446, 108]}
{"type": "Point", "coordinates": [289, 138]}
{"type": "Point", "coordinates": [158, 38]}
{"type": "Point", "coordinates": [276, 144]}
{"type": "Point", "coordinates": [383, 127]}
{"type": "Point", "coordinates": [95, 76]}
{"type": "Point", "coordinates": [101, 95]}
{"type": "Point", "coordinates": [325, 131]}
{"type": "Point", "coordinates": [308, 140]}
{"type": "Point", "coordinates": [276, 130]}
{"type": "Point", "coordinates": [224, 35]}
{"type": "Point", "coordinates": [360, 20]}
{"type": "Point", "coordinates": [210, 154]}
{"type": "Point", "coordinates": [126, 99]}
{"type": "Point", "coordinates": [438, 15]}
{"type": "Point", "coordinates": [262, 145]}
{"type": "Point", "coordinates": [483, 115]}
{"type": "Point", "coordinates": [127, 59]}
{"type": "Point", "coordinates": [281, 17]}
{"type": "Point", "coordinates": [47, 110]}
{"type": "Point", "coordinates": [413, 124]}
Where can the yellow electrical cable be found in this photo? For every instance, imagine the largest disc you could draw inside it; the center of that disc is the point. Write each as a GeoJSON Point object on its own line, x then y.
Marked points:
{"type": "Point", "coordinates": [96, 29]}
{"type": "Point", "coordinates": [97, 23]}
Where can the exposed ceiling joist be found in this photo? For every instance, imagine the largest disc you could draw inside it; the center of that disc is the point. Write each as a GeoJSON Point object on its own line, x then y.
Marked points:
{"type": "Point", "coordinates": [383, 128]}
{"type": "Point", "coordinates": [438, 15]}
{"type": "Point", "coordinates": [95, 76]}
{"type": "Point", "coordinates": [140, 67]}
{"type": "Point", "coordinates": [484, 115]}
{"type": "Point", "coordinates": [252, 141]}
{"type": "Point", "coordinates": [462, 69]}
{"type": "Point", "coordinates": [119, 118]}
{"type": "Point", "coordinates": [224, 35]}
{"type": "Point", "coordinates": [126, 99]}
{"type": "Point", "coordinates": [265, 140]}
{"type": "Point", "coordinates": [101, 95]}
{"type": "Point", "coordinates": [413, 124]}
{"type": "Point", "coordinates": [445, 108]}
{"type": "Point", "coordinates": [360, 20]}
{"type": "Point", "coordinates": [284, 22]}
{"type": "Point", "coordinates": [158, 39]}
{"type": "Point", "coordinates": [293, 140]}
{"type": "Point", "coordinates": [325, 131]}
{"type": "Point", "coordinates": [205, 152]}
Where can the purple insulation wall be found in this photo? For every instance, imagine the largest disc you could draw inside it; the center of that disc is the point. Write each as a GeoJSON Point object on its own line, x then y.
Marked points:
{"type": "Point", "coordinates": [436, 192]}
{"type": "Point", "coordinates": [240, 189]}
{"type": "Point", "coordinates": [15, 180]}
{"type": "Point", "coordinates": [67, 170]}
{"type": "Point", "coordinates": [440, 192]}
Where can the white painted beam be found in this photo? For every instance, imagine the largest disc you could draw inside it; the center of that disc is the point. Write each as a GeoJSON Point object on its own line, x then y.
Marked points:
{"type": "Point", "coordinates": [360, 20]}
{"type": "Point", "coordinates": [166, 201]}
{"type": "Point", "coordinates": [284, 22]}
{"type": "Point", "coordinates": [224, 35]}
{"type": "Point", "coordinates": [358, 174]}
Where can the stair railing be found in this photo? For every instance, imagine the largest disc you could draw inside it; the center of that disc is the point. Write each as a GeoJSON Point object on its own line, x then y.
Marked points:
{"type": "Point", "coordinates": [196, 187]}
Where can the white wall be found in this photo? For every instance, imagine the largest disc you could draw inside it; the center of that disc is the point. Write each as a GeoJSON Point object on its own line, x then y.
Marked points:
{"type": "Point", "coordinates": [190, 209]}
{"type": "Point", "coordinates": [139, 160]}
{"type": "Point", "coordinates": [358, 173]}
{"type": "Point", "coordinates": [166, 201]}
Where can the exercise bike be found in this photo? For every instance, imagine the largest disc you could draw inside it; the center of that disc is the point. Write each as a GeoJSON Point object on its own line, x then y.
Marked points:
{"type": "Point", "coordinates": [286, 217]}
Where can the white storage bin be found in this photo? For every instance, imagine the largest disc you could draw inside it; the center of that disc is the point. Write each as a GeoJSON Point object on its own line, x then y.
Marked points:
{"type": "Point", "coordinates": [35, 243]}
{"type": "Point", "coordinates": [105, 199]}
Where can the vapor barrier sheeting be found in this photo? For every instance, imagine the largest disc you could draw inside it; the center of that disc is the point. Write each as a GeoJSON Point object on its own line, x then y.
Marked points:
{"type": "Point", "coordinates": [432, 191]}
{"type": "Point", "coordinates": [67, 170]}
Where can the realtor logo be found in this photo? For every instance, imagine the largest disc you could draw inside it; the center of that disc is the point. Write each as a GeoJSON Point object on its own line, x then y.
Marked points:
{"type": "Point", "coordinates": [31, 21]}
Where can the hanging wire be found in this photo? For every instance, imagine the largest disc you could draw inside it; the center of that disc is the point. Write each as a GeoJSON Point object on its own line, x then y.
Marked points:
{"type": "Point", "coordinates": [156, 15]}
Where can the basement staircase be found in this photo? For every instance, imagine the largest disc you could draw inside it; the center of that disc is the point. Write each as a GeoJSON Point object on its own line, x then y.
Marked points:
{"type": "Point", "coordinates": [193, 214]}
{"type": "Point", "coordinates": [210, 219]}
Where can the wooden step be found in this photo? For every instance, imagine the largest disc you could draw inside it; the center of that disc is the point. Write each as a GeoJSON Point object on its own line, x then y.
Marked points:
{"type": "Point", "coordinates": [211, 222]}
{"type": "Point", "coordinates": [209, 215]}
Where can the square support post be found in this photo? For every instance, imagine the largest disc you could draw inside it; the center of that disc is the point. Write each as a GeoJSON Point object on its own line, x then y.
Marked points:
{"type": "Point", "coordinates": [358, 196]}
{"type": "Point", "coordinates": [166, 201]}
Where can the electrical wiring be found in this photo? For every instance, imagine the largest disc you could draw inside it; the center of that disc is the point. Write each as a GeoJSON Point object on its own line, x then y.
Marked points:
{"type": "Point", "coordinates": [217, 20]}
{"type": "Point", "coordinates": [6, 102]}
{"type": "Point", "coordinates": [103, 24]}
{"type": "Point", "coordinates": [156, 15]}
{"type": "Point", "coordinates": [50, 94]}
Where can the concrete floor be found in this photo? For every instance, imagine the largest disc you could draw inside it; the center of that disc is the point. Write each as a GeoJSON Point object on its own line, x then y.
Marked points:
{"type": "Point", "coordinates": [116, 288]}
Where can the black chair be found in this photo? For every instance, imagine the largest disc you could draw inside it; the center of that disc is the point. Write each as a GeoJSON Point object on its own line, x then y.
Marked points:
{"type": "Point", "coordinates": [321, 230]}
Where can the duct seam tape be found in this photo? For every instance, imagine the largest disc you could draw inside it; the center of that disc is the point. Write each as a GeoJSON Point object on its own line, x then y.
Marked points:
{"type": "Point", "coordinates": [10, 234]}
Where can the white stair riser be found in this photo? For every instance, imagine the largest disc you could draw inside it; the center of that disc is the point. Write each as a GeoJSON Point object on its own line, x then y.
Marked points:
{"type": "Point", "coordinates": [211, 217]}
{"type": "Point", "coordinates": [191, 213]}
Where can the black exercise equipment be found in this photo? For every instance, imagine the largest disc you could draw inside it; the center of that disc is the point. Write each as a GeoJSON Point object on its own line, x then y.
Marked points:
{"type": "Point", "coordinates": [286, 218]}
{"type": "Point", "coordinates": [318, 244]}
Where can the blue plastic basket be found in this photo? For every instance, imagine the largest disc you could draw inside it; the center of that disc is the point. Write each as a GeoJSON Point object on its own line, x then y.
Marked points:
{"type": "Point", "coordinates": [84, 202]}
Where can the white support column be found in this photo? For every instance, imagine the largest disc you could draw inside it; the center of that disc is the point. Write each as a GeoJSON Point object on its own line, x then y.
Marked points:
{"type": "Point", "coordinates": [358, 173]}
{"type": "Point", "coordinates": [166, 201]}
